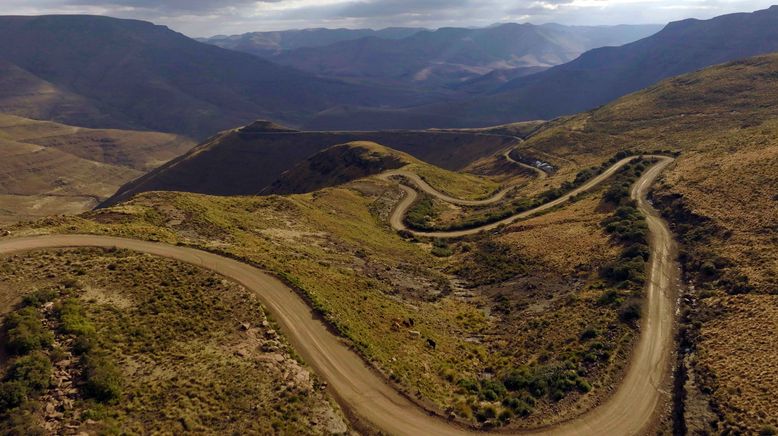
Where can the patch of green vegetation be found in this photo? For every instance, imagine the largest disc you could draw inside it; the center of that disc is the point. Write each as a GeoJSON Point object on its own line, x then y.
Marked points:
{"type": "Point", "coordinates": [32, 371]}
{"type": "Point", "coordinates": [25, 332]}
{"type": "Point", "coordinates": [458, 185]}
{"type": "Point", "coordinates": [103, 378]}
{"type": "Point", "coordinates": [627, 226]}
{"type": "Point", "coordinates": [421, 213]}
{"type": "Point", "coordinates": [39, 297]}
{"type": "Point", "coordinates": [517, 390]}
{"type": "Point", "coordinates": [491, 262]}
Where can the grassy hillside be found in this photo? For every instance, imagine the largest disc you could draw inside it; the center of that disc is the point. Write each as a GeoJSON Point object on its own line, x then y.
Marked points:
{"type": "Point", "coordinates": [48, 168]}
{"type": "Point", "coordinates": [247, 161]}
{"type": "Point", "coordinates": [720, 199]}
{"type": "Point", "coordinates": [132, 343]}
{"type": "Point", "coordinates": [451, 323]}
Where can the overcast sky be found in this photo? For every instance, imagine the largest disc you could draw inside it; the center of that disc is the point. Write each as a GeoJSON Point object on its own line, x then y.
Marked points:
{"type": "Point", "coordinates": [209, 17]}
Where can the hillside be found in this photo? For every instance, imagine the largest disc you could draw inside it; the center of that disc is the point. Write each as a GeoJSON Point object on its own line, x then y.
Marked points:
{"type": "Point", "coordinates": [444, 321]}
{"type": "Point", "coordinates": [48, 168]}
{"type": "Point", "coordinates": [596, 77]}
{"type": "Point", "coordinates": [720, 199]}
{"type": "Point", "coordinates": [337, 165]}
{"type": "Point", "coordinates": [103, 72]}
{"type": "Point", "coordinates": [118, 338]}
{"type": "Point", "coordinates": [449, 56]}
{"type": "Point", "coordinates": [246, 161]}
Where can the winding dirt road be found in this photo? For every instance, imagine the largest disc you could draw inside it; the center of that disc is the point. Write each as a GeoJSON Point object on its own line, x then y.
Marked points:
{"type": "Point", "coordinates": [367, 396]}
{"type": "Point", "coordinates": [424, 186]}
{"type": "Point", "coordinates": [540, 174]}
{"type": "Point", "coordinates": [396, 220]}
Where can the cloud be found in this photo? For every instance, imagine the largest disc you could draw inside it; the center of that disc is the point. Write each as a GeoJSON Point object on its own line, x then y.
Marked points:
{"type": "Point", "coordinates": [167, 6]}
{"type": "Point", "coordinates": [208, 17]}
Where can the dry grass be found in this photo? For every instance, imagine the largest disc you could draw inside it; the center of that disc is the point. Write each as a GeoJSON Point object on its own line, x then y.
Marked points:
{"type": "Point", "coordinates": [337, 239]}
{"type": "Point", "coordinates": [175, 332]}
{"type": "Point", "coordinates": [48, 168]}
{"type": "Point", "coordinates": [722, 121]}
{"type": "Point", "coordinates": [743, 366]}
{"type": "Point", "coordinates": [565, 240]}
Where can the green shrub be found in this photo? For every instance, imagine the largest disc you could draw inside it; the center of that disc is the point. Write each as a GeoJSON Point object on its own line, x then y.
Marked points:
{"type": "Point", "coordinates": [519, 406]}
{"type": "Point", "coordinates": [625, 269]}
{"type": "Point", "coordinates": [25, 332]}
{"type": "Point", "coordinates": [609, 297]}
{"type": "Point", "coordinates": [468, 385]}
{"type": "Point", "coordinates": [486, 413]}
{"type": "Point", "coordinates": [33, 371]}
{"type": "Point", "coordinates": [630, 311]}
{"type": "Point", "coordinates": [636, 250]}
{"type": "Point", "coordinates": [441, 251]}
{"type": "Point", "coordinates": [73, 318]}
{"type": "Point", "coordinates": [39, 297]}
{"type": "Point", "coordinates": [420, 214]}
{"type": "Point", "coordinates": [103, 379]}
{"type": "Point", "coordinates": [12, 394]}
{"type": "Point", "coordinates": [588, 333]}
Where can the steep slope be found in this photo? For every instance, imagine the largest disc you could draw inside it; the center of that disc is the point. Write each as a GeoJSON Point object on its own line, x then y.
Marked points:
{"type": "Point", "coordinates": [246, 161]}
{"type": "Point", "coordinates": [453, 55]}
{"type": "Point", "coordinates": [125, 73]}
{"type": "Point", "coordinates": [268, 44]}
{"type": "Point", "coordinates": [720, 197]}
{"type": "Point", "coordinates": [337, 165]}
{"type": "Point", "coordinates": [604, 74]}
{"type": "Point", "coordinates": [48, 168]}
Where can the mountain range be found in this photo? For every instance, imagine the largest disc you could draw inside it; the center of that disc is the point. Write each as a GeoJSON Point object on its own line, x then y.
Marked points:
{"type": "Point", "coordinates": [434, 58]}
{"type": "Point", "coordinates": [268, 44]}
{"type": "Point", "coordinates": [102, 72]}
{"type": "Point", "coordinates": [604, 74]}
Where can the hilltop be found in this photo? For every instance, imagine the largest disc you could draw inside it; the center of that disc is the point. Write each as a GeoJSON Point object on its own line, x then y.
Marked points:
{"type": "Point", "coordinates": [248, 160]}
{"type": "Point", "coordinates": [269, 44]}
{"type": "Point", "coordinates": [337, 165]}
{"type": "Point", "coordinates": [48, 168]}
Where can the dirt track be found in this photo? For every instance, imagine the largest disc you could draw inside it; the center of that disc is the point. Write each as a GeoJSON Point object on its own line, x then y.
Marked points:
{"type": "Point", "coordinates": [366, 394]}
{"type": "Point", "coordinates": [397, 217]}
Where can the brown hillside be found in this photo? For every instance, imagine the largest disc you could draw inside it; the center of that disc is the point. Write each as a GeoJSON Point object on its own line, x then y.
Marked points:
{"type": "Point", "coordinates": [720, 197]}
{"type": "Point", "coordinates": [48, 168]}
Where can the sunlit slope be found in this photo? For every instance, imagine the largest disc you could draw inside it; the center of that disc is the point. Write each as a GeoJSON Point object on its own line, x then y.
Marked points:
{"type": "Point", "coordinates": [48, 168]}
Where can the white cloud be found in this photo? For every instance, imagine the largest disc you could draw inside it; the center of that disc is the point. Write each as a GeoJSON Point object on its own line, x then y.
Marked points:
{"type": "Point", "coordinates": [206, 17]}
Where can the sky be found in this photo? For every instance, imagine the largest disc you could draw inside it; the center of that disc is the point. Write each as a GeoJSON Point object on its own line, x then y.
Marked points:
{"type": "Point", "coordinates": [210, 17]}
